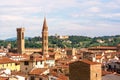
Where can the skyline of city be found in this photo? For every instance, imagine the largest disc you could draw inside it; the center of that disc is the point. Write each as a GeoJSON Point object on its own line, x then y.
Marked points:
{"type": "Point", "coordinates": [60, 56]}
{"type": "Point", "coordinates": [74, 17]}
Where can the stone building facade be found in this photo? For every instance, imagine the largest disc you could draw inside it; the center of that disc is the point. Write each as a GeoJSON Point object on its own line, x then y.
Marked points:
{"type": "Point", "coordinates": [85, 70]}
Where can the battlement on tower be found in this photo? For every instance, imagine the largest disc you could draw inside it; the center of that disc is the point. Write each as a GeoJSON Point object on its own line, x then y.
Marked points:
{"type": "Point", "coordinates": [20, 29]}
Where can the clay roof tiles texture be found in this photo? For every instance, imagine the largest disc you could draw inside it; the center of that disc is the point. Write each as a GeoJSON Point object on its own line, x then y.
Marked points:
{"type": "Point", "coordinates": [4, 60]}
{"type": "Point", "coordinates": [37, 71]}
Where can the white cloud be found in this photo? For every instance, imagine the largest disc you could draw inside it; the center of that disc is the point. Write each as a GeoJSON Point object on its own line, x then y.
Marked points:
{"type": "Point", "coordinates": [111, 15]}
{"type": "Point", "coordinates": [94, 9]}
{"type": "Point", "coordinates": [10, 18]}
{"type": "Point", "coordinates": [70, 16]}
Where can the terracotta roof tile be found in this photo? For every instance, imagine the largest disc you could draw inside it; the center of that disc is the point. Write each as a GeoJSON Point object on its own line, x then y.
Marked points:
{"type": "Point", "coordinates": [51, 53]}
{"type": "Point", "coordinates": [1, 50]}
{"type": "Point", "coordinates": [4, 60]}
{"type": "Point", "coordinates": [59, 76]}
{"type": "Point", "coordinates": [89, 62]}
{"type": "Point", "coordinates": [19, 73]}
{"type": "Point", "coordinates": [106, 72]}
{"type": "Point", "coordinates": [62, 77]}
{"type": "Point", "coordinates": [37, 71]}
{"type": "Point", "coordinates": [103, 48]}
{"type": "Point", "coordinates": [4, 78]}
{"type": "Point", "coordinates": [98, 57]}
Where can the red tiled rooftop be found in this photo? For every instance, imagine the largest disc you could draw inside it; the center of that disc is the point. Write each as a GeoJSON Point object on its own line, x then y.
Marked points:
{"type": "Point", "coordinates": [62, 77]}
{"type": "Point", "coordinates": [19, 73]}
{"type": "Point", "coordinates": [89, 62]}
{"type": "Point", "coordinates": [37, 71]}
{"type": "Point", "coordinates": [106, 72]}
{"type": "Point", "coordinates": [49, 58]}
{"type": "Point", "coordinates": [1, 50]}
{"type": "Point", "coordinates": [98, 57]}
{"type": "Point", "coordinates": [14, 54]}
{"type": "Point", "coordinates": [6, 60]}
{"type": "Point", "coordinates": [17, 54]}
{"type": "Point", "coordinates": [115, 53]}
{"type": "Point", "coordinates": [51, 53]}
{"type": "Point", "coordinates": [59, 76]}
{"type": "Point", "coordinates": [103, 48]}
{"type": "Point", "coordinates": [34, 59]}
{"type": "Point", "coordinates": [3, 78]}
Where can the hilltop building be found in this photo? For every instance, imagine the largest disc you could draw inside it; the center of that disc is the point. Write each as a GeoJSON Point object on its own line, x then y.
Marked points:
{"type": "Point", "coordinates": [62, 37]}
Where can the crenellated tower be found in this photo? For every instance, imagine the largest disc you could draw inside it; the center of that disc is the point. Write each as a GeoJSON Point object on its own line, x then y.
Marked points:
{"type": "Point", "coordinates": [45, 38]}
{"type": "Point", "coordinates": [20, 40]}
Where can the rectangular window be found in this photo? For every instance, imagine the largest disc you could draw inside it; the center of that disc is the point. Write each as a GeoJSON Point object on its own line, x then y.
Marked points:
{"type": "Point", "coordinates": [40, 78]}
{"type": "Point", "coordinates": [26, 63]}
{"type": "Point", "coordinates": [16, 64]}
{"type": "Point", "coordinates": [53, 79]}
{"type": "Point", "coordinates": [3, 65]}
{"type": "Point", "coordinates": [26, 68]}
{"type": "Point", "coordinates": [40, 62]}
{"type": "Point", "coordinates": [36, 62]}
{"type": "Point", "coordinates": [32, 78]}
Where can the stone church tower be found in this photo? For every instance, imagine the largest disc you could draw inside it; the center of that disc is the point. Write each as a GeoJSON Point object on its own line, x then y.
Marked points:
{"type": "Point", "coordinates": [45, 38]}
{"type": "Point", "coordinates": [20, 40]}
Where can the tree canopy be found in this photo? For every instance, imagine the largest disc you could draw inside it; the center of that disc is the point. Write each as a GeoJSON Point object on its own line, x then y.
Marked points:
{"type": "Point", "coordinates": [72, 41]}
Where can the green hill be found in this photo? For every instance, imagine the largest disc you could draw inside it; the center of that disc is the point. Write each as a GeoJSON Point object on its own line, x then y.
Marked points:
{"type": "Point", "coordinates": [72, 41]}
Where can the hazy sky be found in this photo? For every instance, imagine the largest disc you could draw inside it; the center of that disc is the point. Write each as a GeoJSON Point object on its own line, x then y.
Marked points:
{"type": "Point", "coordinates": [64, 17]}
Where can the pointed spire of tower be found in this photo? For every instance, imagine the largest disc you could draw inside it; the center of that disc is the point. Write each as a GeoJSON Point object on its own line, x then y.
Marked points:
{"type": "Point", "coordinates": [45, 27]}
{"type": "Point", "coordinates": [45, 38]}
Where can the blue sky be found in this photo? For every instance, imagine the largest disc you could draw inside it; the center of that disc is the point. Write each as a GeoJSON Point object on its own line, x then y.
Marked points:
{"type": "Point", "coordinates": [64, 17]}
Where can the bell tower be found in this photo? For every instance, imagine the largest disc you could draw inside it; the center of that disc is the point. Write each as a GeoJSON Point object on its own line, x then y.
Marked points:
{"type": "Point", "coordinates": [20, 40]}
{"type": "Point", "coordinates": [45, 38]}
